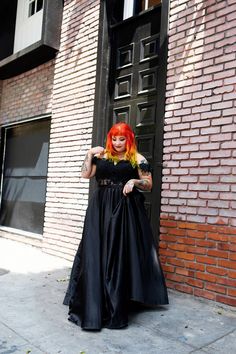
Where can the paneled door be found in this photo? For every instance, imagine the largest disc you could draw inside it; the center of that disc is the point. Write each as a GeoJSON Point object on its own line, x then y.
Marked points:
{"type": "Point", "coordinates": [133, 85]}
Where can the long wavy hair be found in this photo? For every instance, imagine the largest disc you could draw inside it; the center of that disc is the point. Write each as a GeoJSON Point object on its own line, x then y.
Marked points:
{"type": "Point", "coordinates": [122, 129]}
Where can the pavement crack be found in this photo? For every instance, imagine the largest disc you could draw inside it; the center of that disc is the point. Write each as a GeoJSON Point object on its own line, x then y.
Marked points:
{"type": "Point", "coordinates": [22, 337]}
{"type": "Point", "coordinates": [214, 341]}
{"type": "Point", "coordinates": [167, 336]}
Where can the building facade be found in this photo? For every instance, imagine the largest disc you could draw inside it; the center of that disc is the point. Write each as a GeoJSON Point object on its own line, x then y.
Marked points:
{"type": "Point", "coordinates": [70, 70]}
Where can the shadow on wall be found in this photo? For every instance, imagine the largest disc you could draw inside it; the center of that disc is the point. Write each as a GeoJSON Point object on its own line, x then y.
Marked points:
{"type": "Point", "coordinates": [78, 31]}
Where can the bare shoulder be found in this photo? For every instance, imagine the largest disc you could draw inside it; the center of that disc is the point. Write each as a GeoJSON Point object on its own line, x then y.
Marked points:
{"type": "Point", "coordinates": [141, 159]}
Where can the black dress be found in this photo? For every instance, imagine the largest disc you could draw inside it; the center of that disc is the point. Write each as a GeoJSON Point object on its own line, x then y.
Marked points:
{"type": "Point", "coordinates": [116, 262]}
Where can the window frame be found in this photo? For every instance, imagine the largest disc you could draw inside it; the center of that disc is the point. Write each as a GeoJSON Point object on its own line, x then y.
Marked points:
{"type": "Point", "coordinates": [35, 7]}
{"type": "Point", "coordinates": [128, 10]}
{"type": "Point", "coordinates": [125, 10]}
{"type": "Point", "coordinates": [4, 129]}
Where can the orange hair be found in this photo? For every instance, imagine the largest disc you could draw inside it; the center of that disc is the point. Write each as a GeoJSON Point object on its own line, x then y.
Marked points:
{"type": "Point", "coordinates": [122, 129]}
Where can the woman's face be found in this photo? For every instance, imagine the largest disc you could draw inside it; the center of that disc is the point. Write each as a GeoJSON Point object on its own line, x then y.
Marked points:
{"type": "Point", "coordinates": [119, 143]}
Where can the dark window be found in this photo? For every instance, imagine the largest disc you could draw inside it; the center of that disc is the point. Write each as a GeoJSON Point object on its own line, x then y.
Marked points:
{"type": "Point", "coordinates": [35, 6]}
{"type": "Point", "coordinates": [31, 8]}
{"type": "Point", "coordinates": [120, 10]}
{"type": "Point", "coordinates": [7, 27]}
{"type": "Point", "coordinates": [142, 5]}
{"type": "Point", "coordinates": [39, 5]}
{"type": "Point", "coordinates": [145, 4]}
{"type": "Point", "coordinates": [24, 176]}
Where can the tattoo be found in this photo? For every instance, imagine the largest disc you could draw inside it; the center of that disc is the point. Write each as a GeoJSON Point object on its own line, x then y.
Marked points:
{"type": "Point", "coordinates": [144, 183]}
{"type": "Point", "coordinates": [146, 173]}
{"type": "Point", "coordinates": [144, 170]}
{"type": "Point", "coordinates": [84, 167]}
{"type": "Point", "coordinates": [143, 161]}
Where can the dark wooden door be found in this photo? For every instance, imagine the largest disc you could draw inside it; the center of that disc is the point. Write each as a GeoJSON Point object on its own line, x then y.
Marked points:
{"type": "Point", "coordinates": [133, 87]}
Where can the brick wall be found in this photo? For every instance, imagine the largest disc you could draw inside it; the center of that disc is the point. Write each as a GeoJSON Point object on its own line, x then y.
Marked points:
{"type": "Point", "coordinates": [28, 94]}
{"type": "Point", "coordinates": [198, 219]}
{"type": "Point", "coordinates": [71, 128]}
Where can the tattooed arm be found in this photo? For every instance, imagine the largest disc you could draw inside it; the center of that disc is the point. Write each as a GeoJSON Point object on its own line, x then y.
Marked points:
{"type": "Point", "coordinates": [145, 181]}
{"type": "Point", "coordinates": [145, 178]}
{"type": "Point", "coordinates": [88, 170]}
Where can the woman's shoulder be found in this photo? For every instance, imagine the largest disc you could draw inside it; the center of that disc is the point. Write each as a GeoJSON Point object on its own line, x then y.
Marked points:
{"type": "Point", "coordinates": [143, 163]}
{"type": "Point", "coordinates": [141, 159]}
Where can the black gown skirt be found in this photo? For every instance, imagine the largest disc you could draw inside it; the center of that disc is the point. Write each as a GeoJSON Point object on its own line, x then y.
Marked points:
{"type": "Point", "coordinates": [116, 262]}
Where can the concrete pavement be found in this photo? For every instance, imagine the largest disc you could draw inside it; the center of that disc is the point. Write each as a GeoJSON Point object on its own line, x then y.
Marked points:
{"type": "Point", "coordinates": [33, 319]}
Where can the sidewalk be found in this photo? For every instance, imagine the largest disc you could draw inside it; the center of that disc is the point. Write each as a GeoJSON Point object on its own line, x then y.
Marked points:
{"type": "Point", "coordinates": [33, 319]}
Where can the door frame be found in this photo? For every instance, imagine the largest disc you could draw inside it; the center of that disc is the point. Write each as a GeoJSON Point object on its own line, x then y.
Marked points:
{"type": "Point", "coordinates": [101, 121]}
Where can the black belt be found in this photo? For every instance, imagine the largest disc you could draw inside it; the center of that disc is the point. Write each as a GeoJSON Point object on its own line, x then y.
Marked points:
{"type": "Point", "coordinates": [109, 182]}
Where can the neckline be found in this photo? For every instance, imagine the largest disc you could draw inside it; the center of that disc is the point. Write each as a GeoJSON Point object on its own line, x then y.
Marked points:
{"type": "Point", "coordinates": [118, 159]}
{"type": "Point", "coordinates": [113, 162]}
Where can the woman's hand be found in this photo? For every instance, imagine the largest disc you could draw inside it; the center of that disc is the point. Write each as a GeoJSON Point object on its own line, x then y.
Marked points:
{"type": "Point", "coordinates": [128, 187]}
{"type": "Point", "coordinates": [144, 183]}
{"type": "Point", "coordinates": [97, 150]}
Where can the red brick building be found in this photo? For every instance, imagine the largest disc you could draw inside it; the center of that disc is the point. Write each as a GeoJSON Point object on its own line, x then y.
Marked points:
{"type": "Point", "coordinates": [167, 68]}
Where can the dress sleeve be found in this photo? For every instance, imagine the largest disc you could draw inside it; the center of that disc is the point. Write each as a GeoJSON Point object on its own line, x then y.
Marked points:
{"type": "Point", "coordinates": [145, 167]}
{"type": "Point", "coordinates": [94, 160]}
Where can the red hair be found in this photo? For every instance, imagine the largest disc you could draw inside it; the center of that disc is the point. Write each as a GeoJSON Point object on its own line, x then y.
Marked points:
{"type": "Point", "coordinates": [122, 129]}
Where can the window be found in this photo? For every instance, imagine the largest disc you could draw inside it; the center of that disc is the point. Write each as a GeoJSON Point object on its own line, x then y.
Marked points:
{"type": "Point", "coordinates": [35, 6]}
{"type": "Point", "coordinates": [149, 3]}
{"type": "Point", "coordinates": [120, 10]}
{"type": "Point", "coordinates": [24, 175]}
{"type": "Point", "coordinates": [133, 7]}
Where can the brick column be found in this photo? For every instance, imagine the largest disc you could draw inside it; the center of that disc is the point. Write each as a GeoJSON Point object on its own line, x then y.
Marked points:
{"type": "Point", "coordinates": [71, 128]}
{"type": "Point", "coordinates": [198, 220]}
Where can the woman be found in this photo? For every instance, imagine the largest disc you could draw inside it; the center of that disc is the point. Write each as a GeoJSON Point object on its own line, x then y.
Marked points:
{"type": "Point", "coordinates": [116, 262]}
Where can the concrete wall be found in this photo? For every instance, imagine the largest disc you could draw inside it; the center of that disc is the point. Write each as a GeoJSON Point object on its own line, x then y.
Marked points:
{"type": "Point", "coordinates": [198, 220]}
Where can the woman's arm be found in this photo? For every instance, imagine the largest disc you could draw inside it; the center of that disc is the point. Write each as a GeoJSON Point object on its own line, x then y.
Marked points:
{"type": "Point", "coordinates": [145, 178]}
{"type": "Point", "coordinates": [88, 170]}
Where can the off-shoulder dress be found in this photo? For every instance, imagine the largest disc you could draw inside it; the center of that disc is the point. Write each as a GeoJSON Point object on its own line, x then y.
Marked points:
{"type": "Point", "coordinates": [117, 262]}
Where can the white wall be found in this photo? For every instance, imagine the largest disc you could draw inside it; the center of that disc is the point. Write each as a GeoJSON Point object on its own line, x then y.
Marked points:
{"type": "Point", "coordinates": [28, 29]}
